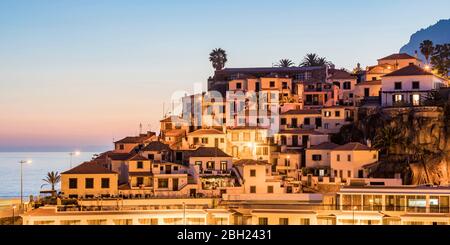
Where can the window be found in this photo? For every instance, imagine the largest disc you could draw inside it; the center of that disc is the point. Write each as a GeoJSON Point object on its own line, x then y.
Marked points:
{"type": "Point", "coordinates": [258, 137]}
{"type": "Point", "coordinates": [366, 92]}
{"type": "Point", "coordinates": [175, 168]}
{"type": "Point", "coordinates": [326, 125]}
{"type": "Point", "coordinates": [223, 165]}
{"type": "Point", "coordinates": [205, 140]}
{"type": "Point", "coordinates": [347, 85]}
{"type": "Point", "coordinates": [89, 184]}
{"type": "Point", "coordinates": [307, 121]}
{"type": "Point", "coordinates": [163, 183]}
{"type": "Point", "coordinates": [210, 165]}
{"type": "Point", "coordinates": [337, 113]}
{"type": "Point", "coordinates": [252, 172]}
{"type": "Point", "coordinates": [349, 158]}
{"type": "Point", "coordinates": [252, 189]}
{"type": "Point", "coordinates": [283, 121]}
{"type": "Point", "coordinates": [284, 221]}
{"type": "Point", "coordinates": [415, 99]}
{"type": "Point", "coordinates": [398, 97]}
{"type": "Point", "coordinates": [327, 113]}
{"type": "Point", "coordinates": [317, 157]}
{"type": "Point", "coordinates": [397, 85]}
{"type": "Point", "coordinates": [238, 85]}
{"type": "Point", "coordinates": [304, 221]}
{"type": "Point", "coordinates": [272, 84]}
{"type": "Point", "coordinates": [415, 85]}
{"type": "Point", "coordinates": [73, 183]}
{"type": "Point", "coordinates": [105, 183]}
{"type": "Point", "coordinates": [338, 157]}
{"type": "Point", "coordinates": [121, 147]}
{"type": "Point", "coordinates": [139, 181]}
{"type": "Point", "coordinates": [349, 173]}
{"type": "Point", "coordinates": [140, 165]}
{"type": "Point", "coordinates": [374, 156]}
{"type": "Point", "coordinates": [151, 156]}
{"type": "Point", "coordinates": [270, 189]}
{"type": "Point", "coordinates": [222, 140]}
{"type": "Point", "coordinates": [263, 221]}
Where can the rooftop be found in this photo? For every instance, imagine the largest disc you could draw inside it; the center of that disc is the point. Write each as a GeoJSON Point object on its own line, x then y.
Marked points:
{"type": "Point", "coordinates": [400, 56]}
{"type": "Point", "coordinates": [251, 162]}
{"type": "Point", "coordinates": [324, 146]}
{"type": "Point", "coordinates": [208, 152]}
{"type": "Point", "coordinates": [411, 70]}
{"type": "Point", "coordinates": [353, 146]}
{"type": "Point", "coordinates": [134, 139]}
{"type": "Point", "coordinates": [89, 168]}
{"type": "Point", "coordinates": [340, 74]}
{"type": "Point", "coordinates": [156, 146]}
{"type": "Point", "coordinates": [205, 132]}
{"type": "Point", "coordinates": [301, 112]}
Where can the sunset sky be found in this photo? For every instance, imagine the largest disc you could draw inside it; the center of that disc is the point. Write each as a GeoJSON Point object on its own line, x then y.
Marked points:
{"type": "Point", "coordinates": [76, 74]}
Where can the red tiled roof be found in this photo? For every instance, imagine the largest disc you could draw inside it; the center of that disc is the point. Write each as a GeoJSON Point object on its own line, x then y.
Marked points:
{"type": "Point", "coordinates": [399, 56]}
{"type": "Point", "coordinates": [208, 152]}
{"type": "Point", "coordinates": [411, 70]}
{"type": "Point", "coordinates": [353, 146]}
{"type": "Point", "coordinates": [340, 74]}
{"type": "Point", "coordinates": [205, 131]}
{"type": "Point", "coordinates": [137, 157]}
{"type": "Point", "coordinates": [156, 146]}
{"type": "Point", "coordinates": [324, 146]}
{"type": "Point", "coordinates": [365, 83]}
{"type": "Point", "coordinates": [251, 162]}
{"type": "Point", "coordinates": [119, 156]}
{"type": "Point", "coordinates": [175, 132]}
{"type": "Point", "coordinates": [134, 139]}
{"type": "Point", "coordinates": [89, 168]}
{"type": "Point", "coordinates": [301, 112]}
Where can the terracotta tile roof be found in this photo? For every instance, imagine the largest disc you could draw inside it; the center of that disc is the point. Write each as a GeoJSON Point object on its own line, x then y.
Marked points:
{"type": "Point", "coordinates": [301, 112]}
{"type": "Point", "coordinates": [89, 168]}
{"type": "Point", "coordinates": [324, 146]}
{"type": "Point", "coordinates": [205, 131]}
{"type": "Point", "coordinates": [399, 56]}
{"type": "Point", "coordinates": [175, 132]}
{"type": "Point", "coordinates": [137, 157]}
{"type": "Point", "coordinates": [134, 139]}
{"type": "Point", "coordinates": [156, 146]}
{"type": "Point", "coordinates": [208, 152]}
{"type": "Point", "coordinates": [411, 70]}
{"type": "Point", "coordinates": [340, 74]}
{"type": "Point", "coordinates": [353, 146]}
{"type": "Point", "coordinates": [251, 162]}
{"type": "Point", "coordinates": [119, 156]}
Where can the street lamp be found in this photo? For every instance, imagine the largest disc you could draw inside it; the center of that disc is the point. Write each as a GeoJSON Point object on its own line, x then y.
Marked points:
{"type": "Point", "coordinates": [14, 216]}
{"type": "Point", "coordinates": [354, 208]}
{"type": "Point", "coordinates": [71, 154]}
{"type": "Point", "coordinates": [21, 180]}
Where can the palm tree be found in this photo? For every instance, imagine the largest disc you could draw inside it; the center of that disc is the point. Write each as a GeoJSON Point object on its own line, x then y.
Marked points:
{"type": "Point", "coordinates": [285, 63]}
{"type": "Point", "coordinates": [387, 138]}
{"type": "Point", "coordinates": [313, 59]}
{"type": "Point", "coordinates": [218, 58]}
{"type": "Point", "coordinates": [440, 59]}
{"type": "Point", "coordinates": [52, 179]}
{"type": "Point", "coordinates": [426, 48]}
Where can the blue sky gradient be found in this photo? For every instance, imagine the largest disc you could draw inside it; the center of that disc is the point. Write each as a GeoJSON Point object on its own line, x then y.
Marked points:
{"type": "Point", "coordinates": [82, 72]}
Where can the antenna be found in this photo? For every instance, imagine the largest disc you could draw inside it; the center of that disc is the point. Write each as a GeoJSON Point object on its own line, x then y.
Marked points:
{"type": "Point", "coordinates": [140, 128]}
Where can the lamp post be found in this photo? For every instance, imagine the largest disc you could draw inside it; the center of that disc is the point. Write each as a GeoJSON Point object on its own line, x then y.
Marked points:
{"type": "Point", "coordinates": [13, 216]}
{"type": "Point", "coordinates": [184, 213]}
{"type": "Point", "coordinates": [354, 208]}
{"type": "Point", "coordinates": [21, 180]}
{"type": "Point", "coordinates": [71, 154]}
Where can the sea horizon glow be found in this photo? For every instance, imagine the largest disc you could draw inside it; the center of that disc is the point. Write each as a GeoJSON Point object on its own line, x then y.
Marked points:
{"type": "Point", "coordinates": [80, 74]}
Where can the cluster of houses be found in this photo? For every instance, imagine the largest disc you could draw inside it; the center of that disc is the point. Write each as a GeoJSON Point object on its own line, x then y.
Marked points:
{"type": "Point", "coordinates": [226, 146]}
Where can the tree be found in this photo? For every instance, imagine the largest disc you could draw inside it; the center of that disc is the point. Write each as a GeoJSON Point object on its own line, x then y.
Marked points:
{"type": "Point", "coordinates": [441, 59]}
{"type": "Point", "coordinates": [218, 58]}
{"type": "Point", "coordinates": [426, 48]}
{"type": "Point", "coordinates": [285, 63]}
{"type": "Point", "coordinates": [313, 59]}
{"type": "Point", "coordinates": [52, 179]}
{"type": "Point", "coordinates": [387, 138]}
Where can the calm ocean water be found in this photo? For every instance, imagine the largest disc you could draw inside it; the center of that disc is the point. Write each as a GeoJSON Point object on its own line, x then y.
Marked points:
{"type": "Point", "coordinates": [42, 162]}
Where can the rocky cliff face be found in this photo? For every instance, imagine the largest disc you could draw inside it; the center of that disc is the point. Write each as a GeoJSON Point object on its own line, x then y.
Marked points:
{"type": "Point", "coordinates": [439, 33]}
{"type": "Point", "coordinates": [421, 152]}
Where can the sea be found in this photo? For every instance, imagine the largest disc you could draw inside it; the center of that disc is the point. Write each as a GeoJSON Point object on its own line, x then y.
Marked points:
{"type": "Point", "coordinates": [34, 172]}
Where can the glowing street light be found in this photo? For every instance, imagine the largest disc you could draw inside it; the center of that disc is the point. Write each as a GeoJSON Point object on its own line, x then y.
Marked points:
{"type": "Point", "coordinates": [71, 154]}
{"type": "Point", "coordinates": [21, 179]}
{"type": "Point", "coordinates": [427, 67]}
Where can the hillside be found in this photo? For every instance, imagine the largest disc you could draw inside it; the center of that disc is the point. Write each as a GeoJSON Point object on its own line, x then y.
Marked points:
{"type": "Point", "coordinates": [438, 33]}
